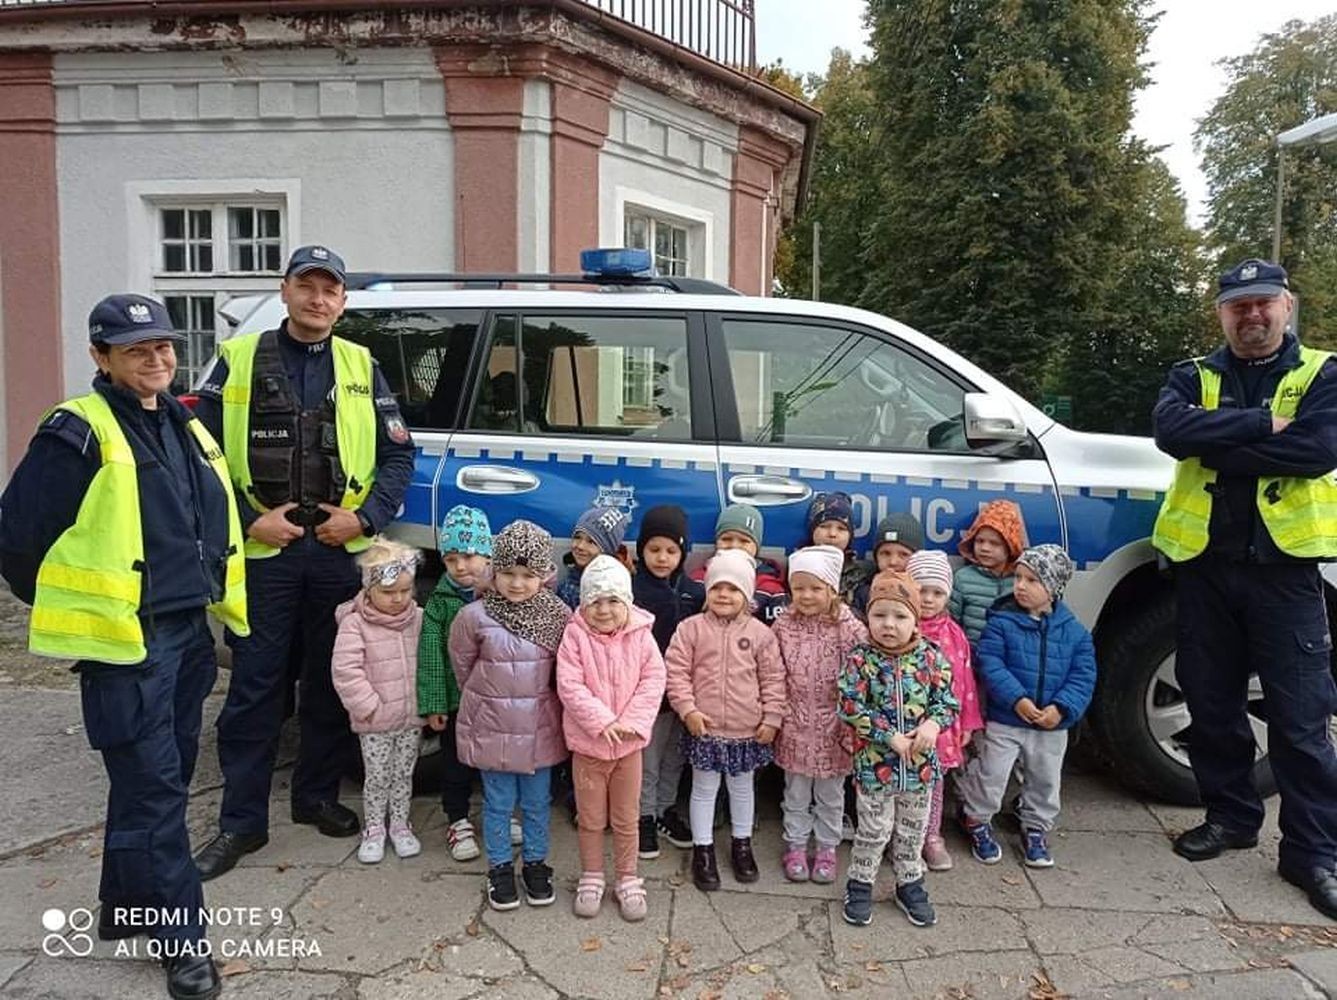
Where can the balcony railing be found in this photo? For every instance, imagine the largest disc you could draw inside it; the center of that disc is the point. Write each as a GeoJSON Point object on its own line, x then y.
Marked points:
{"type": "Point", "coordinates": [721, 30]}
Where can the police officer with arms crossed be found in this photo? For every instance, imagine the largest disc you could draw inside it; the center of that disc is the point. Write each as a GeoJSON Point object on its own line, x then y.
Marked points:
{"type": "Point", "coordinates": [1251, 512]}
{"type": "Point", "coordinates": [320, 459]}
{"type": "Point", "coordinates": [119, 527]}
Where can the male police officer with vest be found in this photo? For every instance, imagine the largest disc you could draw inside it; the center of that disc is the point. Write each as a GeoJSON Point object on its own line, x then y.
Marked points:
{"type": "Point", "coordinates": [1251, 512]}
{"type": "Point", "coordinates": [320, 458]}
{"type": "Point", "coordinates": [119, 527]}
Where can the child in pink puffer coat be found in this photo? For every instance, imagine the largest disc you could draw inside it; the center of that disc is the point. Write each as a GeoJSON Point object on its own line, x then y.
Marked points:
{"type": "Point", "coordinates": [610, 678]}
{"type": "Point", "coordinates": [816, 633]}
{"type": "Point", "coordinates": [375, 667]}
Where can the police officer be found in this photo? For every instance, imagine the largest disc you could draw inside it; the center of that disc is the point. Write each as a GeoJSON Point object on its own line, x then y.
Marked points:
{"type": "Point", "coordinates": [1251, 512]}
{"type": "Point", "coordinates": [320, 459]}
{"type": "Point", "coordinates": [119, 527]}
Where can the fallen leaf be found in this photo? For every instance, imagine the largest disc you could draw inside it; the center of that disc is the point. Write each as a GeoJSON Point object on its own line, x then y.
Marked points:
{"type": "Point", "coordinates": [709, 994]}
{"type": "Point", "coordinates": [47, 883]}
{"type": "Point", "coordinates": [872, 965]}
{"type": "Point", "coordinates": [641, 966]}
{"type": "Point", "coordinates": [1043, 988]}
{"type": "Point", "coordinates": [319, 904]}
{"type": "Point", "coordinates": [1180, 985]}
{"type": "Point", "coordinates": [1011, 880]}
{"type": "Point", "coordinates": [471, 928]}
{"type": "Point", "coordinates": [1287, 931]}
{"type": "Point", "coordinates": [756, 968]}
{"type": "Point", "coordinates": [282, 866]}
{"type": "Point", "coordinates": [591, 944]}
{"type": "Point", "coordinates": [236, 967]}
{"type": "Point", "coordinates": [857, 946]}
{"type": "Point", "coordinates": [775, 995]}
{"type": "Point", "coordinates": [676, 880]}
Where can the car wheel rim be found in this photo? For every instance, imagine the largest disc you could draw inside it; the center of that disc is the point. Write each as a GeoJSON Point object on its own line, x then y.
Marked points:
{"type": "Point", "coordinates": [1168, 719]}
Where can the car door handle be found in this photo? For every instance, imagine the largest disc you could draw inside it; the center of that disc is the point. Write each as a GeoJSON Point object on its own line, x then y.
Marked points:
{"type": "Point", "coordinates": [495, 479]}
{"type": "Point", "coordinates": [767, 490]}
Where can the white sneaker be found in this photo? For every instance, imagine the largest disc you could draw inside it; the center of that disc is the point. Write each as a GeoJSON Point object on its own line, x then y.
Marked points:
{"type": "Point", "coordinates": [405, 843]}
{"type": "Point", "coordinates": [463, 843]}
{"type": "Point", "coordinates": [517, 833]}
{"type": "Point", "coordinates": [373, 845]}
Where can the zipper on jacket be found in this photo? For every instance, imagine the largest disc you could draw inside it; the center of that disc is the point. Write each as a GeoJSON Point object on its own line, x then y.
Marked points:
{"type": "Point", "coordinates": [1044, 653]}
{"type": "Point", "coordinates": [900, 723]}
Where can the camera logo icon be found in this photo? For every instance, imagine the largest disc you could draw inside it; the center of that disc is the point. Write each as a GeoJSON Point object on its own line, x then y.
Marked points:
{"type": "Point", "coordinates": [66, 933]}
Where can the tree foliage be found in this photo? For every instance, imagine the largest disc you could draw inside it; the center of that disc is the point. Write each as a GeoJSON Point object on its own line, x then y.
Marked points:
{"type": "Point", "coordinates": [1289, 78]}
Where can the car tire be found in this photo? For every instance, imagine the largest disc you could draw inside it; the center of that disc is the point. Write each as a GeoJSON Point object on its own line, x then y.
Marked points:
{"type": "Point", "coordinates": [1139, 710]}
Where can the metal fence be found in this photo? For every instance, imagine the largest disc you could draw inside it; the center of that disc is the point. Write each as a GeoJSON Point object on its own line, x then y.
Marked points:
{"type": "Point", "coordinates": [721, 30]}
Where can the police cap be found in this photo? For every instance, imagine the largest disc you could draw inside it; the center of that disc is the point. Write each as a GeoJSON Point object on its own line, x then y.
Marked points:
{"type": "Point", "coordinates": [129, 319]}
{"type": "Point", "coordinates": [316, 258]}
{"type": "Point", "coordinates": [1252, 278]}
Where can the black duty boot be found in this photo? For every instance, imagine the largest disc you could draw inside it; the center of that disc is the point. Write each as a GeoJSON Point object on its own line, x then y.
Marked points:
{"type": "Point", "coordinates": [1209, 840]}
{"type": "Point", "coordinates": [705, 872]}
{"type": "Point", "coordinates": [740, 857]}
{"type": "Point", "coordinates": [192, 977]}
{"type": "Point", "coordinates": [648, 847]}
{"type": "Point", "coordinates": [329, 818]}
{"type": "Point", "coordinates": [223, 852]}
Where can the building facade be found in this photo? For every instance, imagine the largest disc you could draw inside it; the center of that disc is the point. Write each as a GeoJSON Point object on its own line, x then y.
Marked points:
{"type": "Point", "coordinates": [184, 148]}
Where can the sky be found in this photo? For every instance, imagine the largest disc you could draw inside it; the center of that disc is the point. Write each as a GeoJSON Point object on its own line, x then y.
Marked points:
{"type": "Point", "coordinates": [1190, 38]}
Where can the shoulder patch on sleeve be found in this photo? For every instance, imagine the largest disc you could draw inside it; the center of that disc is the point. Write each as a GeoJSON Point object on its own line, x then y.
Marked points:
{"type": "Point", "coordinates": [72, 430]}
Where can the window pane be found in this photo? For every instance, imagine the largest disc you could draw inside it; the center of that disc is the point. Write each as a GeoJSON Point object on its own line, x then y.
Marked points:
{"type": "Point", "coordinates": [273, 259]}
{"type": "Point", "coordinates": [663, 240]}
{"type": "Point", "coordinates": [269, 222]}
{"type": "Point", "coordinates": [637, 232]}
{"type": "Point", "coordinates": [173, 223]}
{"type": "Point", "coordinates": [243, 257]}
{"type": "Point", "coordinates": [815, 386]}
{"type": "Point", "coordinates": [610, 375]}
{"type": "Point", "coordinates": [241, 223]}
{"type": "Point", "coordinates": [173, 257]}
{"type": "Point", "coordinates": [201, 224]}
{"type": "Point", "coordinates": [496, 404]}
{"type": "Point", "coordinates": [192, 315]}
{"type": "Point", "coordinates": [204, 257]}
{"type": "Point", "coordinates": [423, 354]}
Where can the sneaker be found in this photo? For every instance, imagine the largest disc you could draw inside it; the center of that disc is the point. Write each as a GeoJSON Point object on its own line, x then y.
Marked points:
{"type": "Point", "coordinates": [986, 850]}
{"type": "Point", "coordinates": [858, 903]}
{"type": "Point", "coordinates": [674, 829]}
{"type": "Point", "coordinates": [795, 862]}
{"type": "Point", "coordinates": [589, 895]}
{"type": "Point", "coordinates": [1035, 846]}
{"type": "Point", "coordinates": [501, 894]}
{"type": "Point", "coordinates": [847, 828]}
{"type": "Point", "coordinates": [537, 878]}
{"type": "Point", "coordinates": [517, 833]}
{"type": "Point", "coordinates": [372, 848]}
{"type": "Point", "coordinates": [460, 838]}
{"type": "Point", "coordinates": [649, 839]}
{"type": "Point", "coordinates": [913, 901]}
{"type": "Point", "coordinates": [405, 843]}
{"type": "Point", "coordinates": [824, 866]}
{"type": "Point", "coordinates": [936, 855]}
{"type": "Point", "coordinates": [631, 902]}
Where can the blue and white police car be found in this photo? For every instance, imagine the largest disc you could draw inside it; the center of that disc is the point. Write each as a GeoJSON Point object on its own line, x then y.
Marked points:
{"type": "Point", "coordinates": [529, 397]}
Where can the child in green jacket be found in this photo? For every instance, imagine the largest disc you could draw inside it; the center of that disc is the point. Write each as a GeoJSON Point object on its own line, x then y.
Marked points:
{"type": "Point", "coordinates": [466, 551]}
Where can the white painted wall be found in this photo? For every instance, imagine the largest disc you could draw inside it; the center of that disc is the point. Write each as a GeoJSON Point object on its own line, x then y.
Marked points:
{"type": "Point", "coordinates": [360, 151]}
{"type": "Point", "coordinates": [675, 160]}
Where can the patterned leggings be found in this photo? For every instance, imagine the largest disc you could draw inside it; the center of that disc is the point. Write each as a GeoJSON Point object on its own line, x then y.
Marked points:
{"type": "Point", "coordinates": [934, 828]}
{"type": "Point", "coordinates": [388, 760]}
{"type": "Point", "coordinates": [899, 817]}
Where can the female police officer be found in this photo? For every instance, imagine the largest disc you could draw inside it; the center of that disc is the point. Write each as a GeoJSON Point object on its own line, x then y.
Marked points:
{"type": "Point", "coordinates": [120, 528]}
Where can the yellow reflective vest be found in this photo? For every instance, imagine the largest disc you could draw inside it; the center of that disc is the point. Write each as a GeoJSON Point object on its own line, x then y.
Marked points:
{"type": "Point", "coordinates": [354, 421]}
{"type": "Point", "coordinates": [1300, 514]}
{"type": "Point", "coordinates": [89, 586]}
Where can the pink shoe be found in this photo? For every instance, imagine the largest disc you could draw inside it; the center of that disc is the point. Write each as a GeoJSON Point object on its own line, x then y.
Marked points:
{"type": "Point", "coordinates": [631, 902]}
{"type": "Point", "coordinates": [795, 861]}
{"type": "Point", "coordinates": [824, 865]}
{"type": "Point", "coordinates": [935, 854]}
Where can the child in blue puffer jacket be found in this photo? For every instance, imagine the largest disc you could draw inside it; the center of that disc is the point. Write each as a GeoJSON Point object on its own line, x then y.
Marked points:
{"type": "Point", "coordinates": [1038, 664]}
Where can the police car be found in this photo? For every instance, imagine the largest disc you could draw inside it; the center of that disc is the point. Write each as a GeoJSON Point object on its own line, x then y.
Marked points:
{"type": "Point", "coordinates": [530, 397]}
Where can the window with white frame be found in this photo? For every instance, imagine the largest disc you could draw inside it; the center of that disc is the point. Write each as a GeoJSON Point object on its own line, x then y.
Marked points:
{"type": "Point", "coordinates": [667, 239]}
{"type": "Point", "coordinates": [205, 254]}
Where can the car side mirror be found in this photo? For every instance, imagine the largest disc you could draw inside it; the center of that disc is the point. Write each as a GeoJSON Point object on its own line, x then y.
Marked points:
{"type": "Point", "coordinates": [991, 419]}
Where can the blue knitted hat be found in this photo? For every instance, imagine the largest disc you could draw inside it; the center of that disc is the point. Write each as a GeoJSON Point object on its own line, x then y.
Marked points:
{"type": "Point", "coordinates": [465, 530]}
{"type": "Point", "coordinates": [607, 526]}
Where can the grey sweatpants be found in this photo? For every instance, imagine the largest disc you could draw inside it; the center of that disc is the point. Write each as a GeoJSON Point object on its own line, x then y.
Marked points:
{"type": "Point", "coordinates": [662, 765]}
{"type": "Point", "coordinates": [898, 817]}
{"type": "Point", "coordinates": [1040, 754]}
{"type": "Point", "coordinates": [813, 806]}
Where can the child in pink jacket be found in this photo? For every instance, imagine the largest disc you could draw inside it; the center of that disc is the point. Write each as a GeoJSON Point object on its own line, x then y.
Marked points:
{"type": "Point", "coordinates": [375, 667]}
{"type": "Point", "coordinates": [727, 682]}
{"type": "Point", "coordinates": [816, 633]}
{"type": "Point", "coordinates": [610, 679]}
{"type": "Point", "coordinates": [933, 572]}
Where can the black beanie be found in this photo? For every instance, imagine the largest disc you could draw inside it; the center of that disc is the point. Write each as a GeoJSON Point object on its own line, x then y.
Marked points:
{"type": "Point", "coordinates": [666, 521]}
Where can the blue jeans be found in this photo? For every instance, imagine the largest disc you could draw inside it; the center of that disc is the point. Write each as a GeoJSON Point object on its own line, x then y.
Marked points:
{"type": "Point", "coordinates": [502, 792]}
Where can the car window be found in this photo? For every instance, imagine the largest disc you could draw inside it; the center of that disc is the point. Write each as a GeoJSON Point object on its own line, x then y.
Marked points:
{"type": "Point", "coordinates": [423, 354]}
{"type": "Point", "coordinates": [808, 385]}
{"type": "Point", "coordinates": [606, 375]}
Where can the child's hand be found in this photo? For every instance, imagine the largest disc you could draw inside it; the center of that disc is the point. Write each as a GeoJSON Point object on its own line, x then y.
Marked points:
{"type": "Point", "coordinates": [1027, 710]}
{"type": "Point", "coordinates": [696, 723]}
{"type": "Point", "coordinates": [902, 746]}
{"type": "Point", "coordinates": [766, 734]}
{"type": "Point", "coordinates": [616, 733]}
{"type": "Point", "coordinates": [437, 722]}
{"type": "Point", "coordinates": [1050, 717]}
{"type": "Point", "coordinates": [925, 736]}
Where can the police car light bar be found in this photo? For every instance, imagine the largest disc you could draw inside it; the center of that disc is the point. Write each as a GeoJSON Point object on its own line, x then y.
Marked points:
{"type": "Point", "coordinates": [617, 262]}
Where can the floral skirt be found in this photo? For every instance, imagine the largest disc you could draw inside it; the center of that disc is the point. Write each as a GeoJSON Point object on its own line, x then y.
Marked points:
{"type": "Point", "coordinates": [715, 753]}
